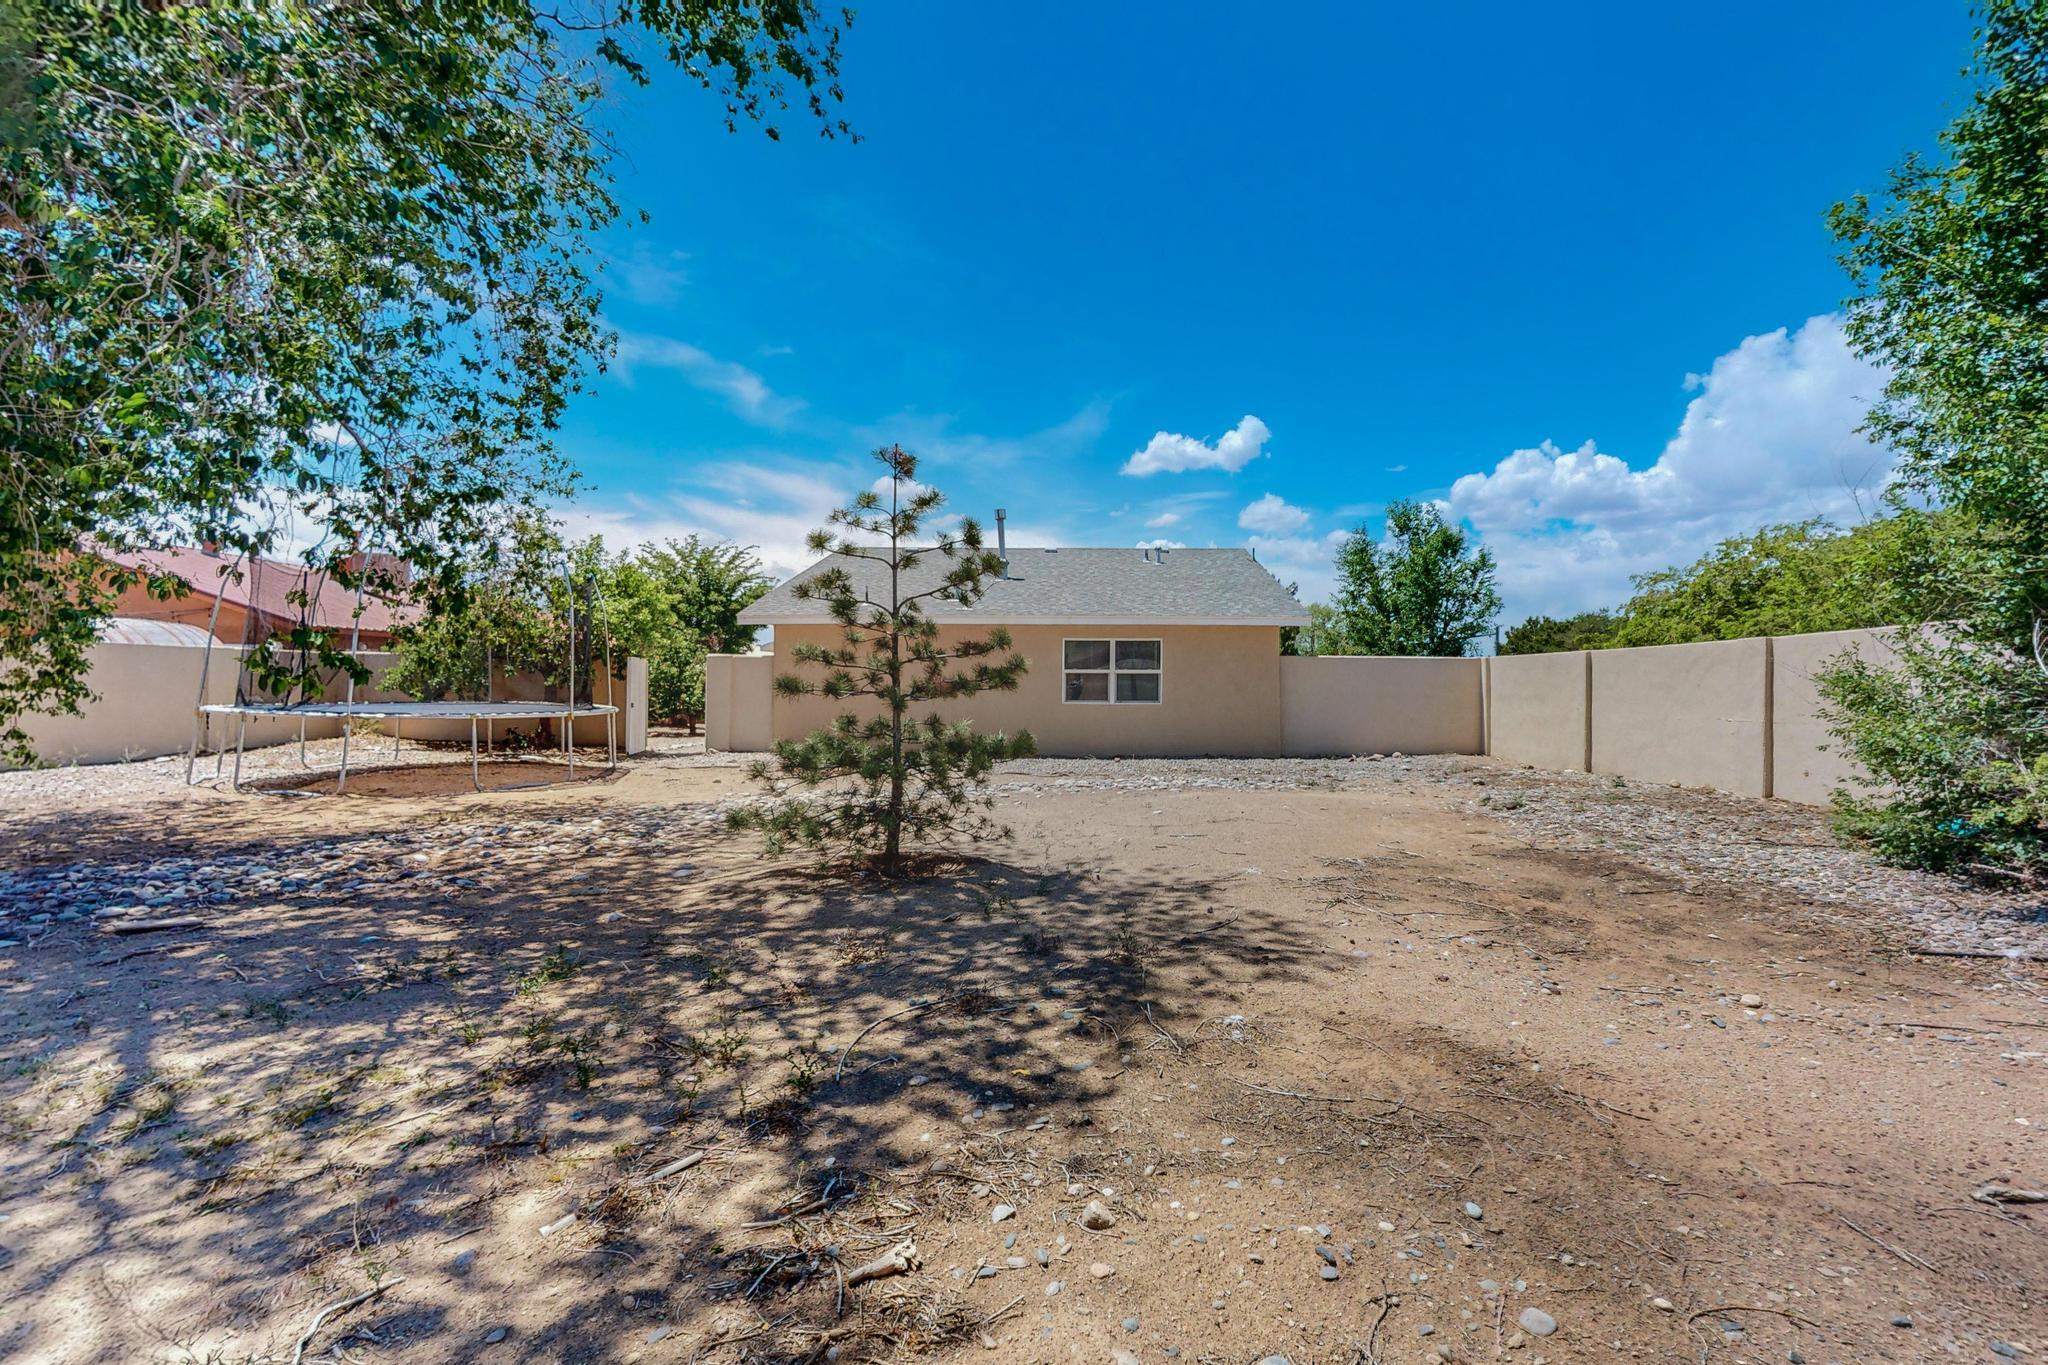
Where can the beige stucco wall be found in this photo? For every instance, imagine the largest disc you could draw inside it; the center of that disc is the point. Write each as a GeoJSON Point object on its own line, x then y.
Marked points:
{"type": "Point", "coordinates": [1693, 714]}
{"type": "Point", "coordinates": [1344, 704]}
{"type": "Point", "coordinates": [1538, 710]}
{"type": "Point", "coordinates": [738, 692]}
{"type": "Point", "coordinates": [1219, 689]}
{"type": "Point", "coordinates": [1807, 766]}
{"type": "Point", "coordinates": [145, 696]}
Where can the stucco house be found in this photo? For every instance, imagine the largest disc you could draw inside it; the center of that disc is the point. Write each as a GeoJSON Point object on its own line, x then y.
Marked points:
{"type": "Point", "coordinates": [1130, 651]}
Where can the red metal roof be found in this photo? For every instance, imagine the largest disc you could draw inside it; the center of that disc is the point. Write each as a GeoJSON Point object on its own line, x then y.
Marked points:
{"type": "Point", "coordinates": [268, 587]}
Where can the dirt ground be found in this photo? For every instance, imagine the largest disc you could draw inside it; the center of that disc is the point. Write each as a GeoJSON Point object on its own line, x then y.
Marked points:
{"type": "Point", "coordinates": [1360, 1061]}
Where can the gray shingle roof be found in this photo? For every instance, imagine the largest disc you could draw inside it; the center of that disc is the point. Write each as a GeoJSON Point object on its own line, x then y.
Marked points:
{"type": "Point", "coordinates": [1071, 586]}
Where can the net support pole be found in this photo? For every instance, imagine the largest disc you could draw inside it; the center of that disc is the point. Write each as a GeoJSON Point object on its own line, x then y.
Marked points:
{"type": "Point", "coordinates": [474, 779]}
{"type": "Point", "coordinates": [205, 666]}
{"type": "Point", "coordinates": [355, 641]}
{"type": "Point", "coordinates": [569, 717]}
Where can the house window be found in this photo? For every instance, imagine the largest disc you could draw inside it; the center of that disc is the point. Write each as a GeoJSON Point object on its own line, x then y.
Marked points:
{"type": "Point", "coordinates": [1112, 670]}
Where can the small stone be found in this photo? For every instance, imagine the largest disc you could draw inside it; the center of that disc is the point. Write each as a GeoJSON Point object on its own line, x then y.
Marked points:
{"type": "Point", "coordinates": [1329, 1272]}
{"type": "Point", "coordinates": [1752, 1002]}
{"type": "Point", "coordinates": [1329, 1254]}
{"type": "Point", "coordinates": [1042, 1256]}
{"type": "Point", "coordinates": [1053, 1288]}
{"type": "Point", "coordinates": [1096, 1218]}
{"type": "Point", "coordinates": [985, 1272]}
{"type": "Point", "coordinates": [1016, 1262]}
{"type": "Point", "coordinates": [496, 1335]}
{"type": "Point", "coordinates": [1536, 1322]}
{"type": "Point", "coordinates": [1101, 1270]}
{"type": "Point", "coordinates": [1472, 1210]}
{"type": "Point", "coordinates": [659, 1334]}
{"type": "Point", "coordinates": [1663, 1305]}
{"type": "Point", "coordinates": [1001, 1212]}
{"type": "Point", "coordinates": [1130, 1325]}
{"type": "Point", "coordinates": [1428, 1329]}
{"type": "Point", "coordinates": [1902, 1319]}
{"type": "Point", "coordinates": [2004, 1351]}
{"type": "Point", "coordinates": [1122, 1357]}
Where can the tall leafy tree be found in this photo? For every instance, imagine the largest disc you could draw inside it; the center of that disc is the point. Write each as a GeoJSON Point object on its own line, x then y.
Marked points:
{"type": "Point", "coordinates": [1427, 591]}
{"type": "Point", "coordinates": [1950, 268]}
{"type": "Point", "coordinates": [1553, 634]}
{"type": "Point", "coordinates": [1792, 578]}
{"type": "Point", "coordinates": [324, 259]}
{"type": "Point", "coordinates": [881, 774]}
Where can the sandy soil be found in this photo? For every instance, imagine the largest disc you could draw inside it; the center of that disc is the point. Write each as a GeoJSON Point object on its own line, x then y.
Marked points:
{"type": "Point", "coordinates": [1361, 1069]}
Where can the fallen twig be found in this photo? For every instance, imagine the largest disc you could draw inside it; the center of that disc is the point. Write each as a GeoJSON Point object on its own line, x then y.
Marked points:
{"type": "Point", "coordinates": [1908, 1257]}
{"type": "Point", "coordinates": [900, 1259]}
{"type": "Point", "coordinates": [1995, 1193]}
{"type": "Point", "coordinates": [839, 1072]}
{"type": "Point", "coordinates": [1300, 1095]}
{"type": "Point", "coordinates": [299, 1351]}
{"type": "Point", "coordinates": [150, 926]}
{"type": "Point", "coordinates": [1751, 1308]}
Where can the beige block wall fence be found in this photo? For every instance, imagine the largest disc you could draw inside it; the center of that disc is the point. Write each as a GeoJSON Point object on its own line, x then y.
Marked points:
{"type": "Point", "coordinates": [145, 696]}
{"type": "Point", "coordinates": [1739, 715]}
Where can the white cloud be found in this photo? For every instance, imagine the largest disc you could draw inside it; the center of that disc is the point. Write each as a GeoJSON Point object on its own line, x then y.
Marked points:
{"type": "Point", "coordinates": [744, 391]}
{"type": "Point", "coordinates": [1770, 437]}
{"type": "Point", "coordinates": [649, 277]}
{"type": "Point", "coordinates": [1161, 544]}
{"type": "Point", "coordinates": [1272, 516]}
{"type": "Point", "coordinates": [770, 508]}
{"type": "Point", "coordinates": [935, 438]}
{"type": "Point", "coordinates": [1309, 561]}
{"type": "Point", "coordinates": [1167, 453]}
{"type": "Point", "coordinates": [1397, 469]}
{"type": "Point", "coordinates": [1162, 521]}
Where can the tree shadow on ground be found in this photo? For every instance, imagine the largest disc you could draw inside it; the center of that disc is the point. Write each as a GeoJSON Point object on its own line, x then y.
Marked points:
{"type": "Point", "coordinates": [482, 1024]}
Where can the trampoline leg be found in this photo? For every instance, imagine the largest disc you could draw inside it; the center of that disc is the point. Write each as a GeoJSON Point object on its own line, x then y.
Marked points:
{"type": "Point", "coordinates": [474, 780]}
{"type": "Point", "coordinates": [394, 738]}
{"type": "Point", "coordinates": [241, 735]}
{"type": "Point", "coordinates": [341, 780]}
{"type": "Point", "coordinates": [611, 741]}
{"type": "Point", "coordinates": [569, 742]}
{"type": "Point", "coordinates": [302, 745]}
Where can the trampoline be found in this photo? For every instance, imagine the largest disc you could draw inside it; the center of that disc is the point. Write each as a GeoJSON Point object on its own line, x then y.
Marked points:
{"type": "Point", "coordinates": [484, 713]}
{"type": "Point", "coordinates": [397, 712]}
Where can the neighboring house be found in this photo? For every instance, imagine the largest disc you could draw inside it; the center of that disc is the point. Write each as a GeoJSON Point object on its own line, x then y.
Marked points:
{"type": "Point", "coordinates": [1129, 652]}
{"type": "Point", "coordinates": [258, 598]}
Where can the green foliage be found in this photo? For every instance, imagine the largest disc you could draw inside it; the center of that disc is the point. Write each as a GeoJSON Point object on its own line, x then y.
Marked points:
{"type": "Point", "coordinates": [1319, 636]}
{"type": "Point", "coordinates": [1950, 274]}
{"type": "Point", "coordinates": [662, 603]}
{"type": "Point", "coordinates": [260, 260]}
{"type": "Point", "coordinates": [1788, 579]}
{"type": "Point", "coordinates": [677, 602]}
{"type": "Point", "coordinates": [1427, 592]}
{"type": "Point", "coordinates": [1554, 635]}
{"type": "Point", "coordinates": [891, 775]}
{"type": "Point", "coordinates": [503, 619]}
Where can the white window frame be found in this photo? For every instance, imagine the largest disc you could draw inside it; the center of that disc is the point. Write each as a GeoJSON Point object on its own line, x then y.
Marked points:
{"type": "Point", "coordinates": [1111, 672]}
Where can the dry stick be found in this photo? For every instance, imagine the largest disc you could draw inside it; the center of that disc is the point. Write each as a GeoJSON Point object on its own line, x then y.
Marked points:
{"type": "Point", "coordinates": [150, 926]}
{"type": "Point", "coordinates": [1299, 1095]}
{"type": "Point", "coordinates": [146, 952]}
{"type": "Point", "coordinates": [1752, 1308]}
{"type": "Point", "coordinates": [676, 1167]}
{"type": "Point", "coordinates": [299, 1351]}
{"type": "Point", "coordinates": [839, 1073]}
{"type": "Point", "coordinates": [1908, 1257]}
{"type": "Point", "coordinates": [1977, 953]}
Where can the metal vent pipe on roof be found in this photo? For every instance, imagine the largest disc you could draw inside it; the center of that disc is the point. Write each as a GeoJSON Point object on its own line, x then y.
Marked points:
{"type": "Point", "coordinates": [1002, 542]}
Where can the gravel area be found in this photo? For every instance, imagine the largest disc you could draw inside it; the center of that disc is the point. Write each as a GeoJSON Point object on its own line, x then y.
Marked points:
{"type": "Point", "coordinates": [1705, 840]}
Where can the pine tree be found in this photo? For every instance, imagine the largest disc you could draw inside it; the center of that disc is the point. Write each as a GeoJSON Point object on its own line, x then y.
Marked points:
{"type": "Point", "coordinates": [893, 775]}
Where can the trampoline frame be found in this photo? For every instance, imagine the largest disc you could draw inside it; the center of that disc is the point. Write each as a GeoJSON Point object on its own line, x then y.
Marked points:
{"type": "Point", "coordinates": [488, 711]}
{"type": "Point", "coordinates": [398, 711]}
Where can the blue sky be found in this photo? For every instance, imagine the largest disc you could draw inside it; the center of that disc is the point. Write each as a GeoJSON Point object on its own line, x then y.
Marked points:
{"type": "Point", "coordinates": [1562, 267]}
